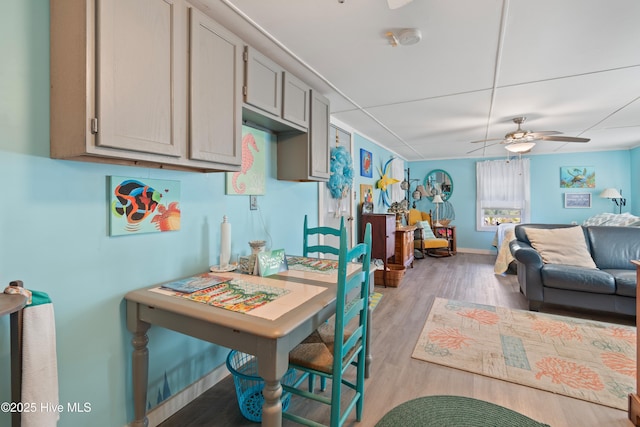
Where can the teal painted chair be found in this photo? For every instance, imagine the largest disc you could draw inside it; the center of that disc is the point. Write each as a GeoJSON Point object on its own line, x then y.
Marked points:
{"type": "Point", "coordinates": [332, 349]}
{"type": "Point", "coordinates": [315, 233]}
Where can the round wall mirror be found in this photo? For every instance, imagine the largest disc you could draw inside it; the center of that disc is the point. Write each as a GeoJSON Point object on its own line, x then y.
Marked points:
{"type": "Point", "coordinates": [438, 182]}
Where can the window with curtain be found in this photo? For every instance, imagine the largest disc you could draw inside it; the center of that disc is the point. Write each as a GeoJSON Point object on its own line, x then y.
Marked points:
{"type": "Point", "coordinates": [503, 193]}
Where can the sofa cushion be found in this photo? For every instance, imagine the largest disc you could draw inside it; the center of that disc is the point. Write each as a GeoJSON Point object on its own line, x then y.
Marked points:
{"type": "Point", "coordinates": [561, 246]}
{"type": "Point", "coordinates": [625, 282]}
{"type": "Point", "coordinates": [573, 278]}
{"type": "Point", "coordinates": [614, 247]}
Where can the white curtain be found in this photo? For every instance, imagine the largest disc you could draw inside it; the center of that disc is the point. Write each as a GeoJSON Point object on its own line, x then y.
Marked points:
{"type": "Point", "coordinates": [503, 184]}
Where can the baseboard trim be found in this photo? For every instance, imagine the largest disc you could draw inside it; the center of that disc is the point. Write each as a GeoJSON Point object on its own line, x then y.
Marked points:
{"type": "Point", "coordinates": [477, 251]}
{"type": "Point", "coordinates": [169, 407]}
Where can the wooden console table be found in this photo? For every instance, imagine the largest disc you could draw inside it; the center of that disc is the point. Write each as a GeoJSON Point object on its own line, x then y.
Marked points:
{"type": "Point", "coordinates": [634, 398]}
{"type": "Point", "coordinates": [404, 245]}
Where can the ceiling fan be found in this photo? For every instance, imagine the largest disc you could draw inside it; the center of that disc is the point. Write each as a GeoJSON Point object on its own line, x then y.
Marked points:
{"type": "Point", "coordinates": [396, 4]}
{"type": "Point", "coordinates": [393, 4]}
{"type": "Point", "coordinates": [522, 141]}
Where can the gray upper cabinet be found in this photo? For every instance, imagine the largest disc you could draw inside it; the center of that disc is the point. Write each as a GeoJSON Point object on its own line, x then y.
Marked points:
{"type": "Point", "coordinates": [305, 156]}
{"type": "Point", "coordinates": [295, 100]}
{"type": "Point", "coordinates": [216, 105]}
{"type": "Point", "coordinates": [263, 82]}
{"type": "Point", "coordinates": [274, 98]}
{"type": "Point", "coordinates": [319, 136]}
{"type": "Point", "coordinates": [139, 72]}
{"type": "Point", "coordinates": [120, 85]}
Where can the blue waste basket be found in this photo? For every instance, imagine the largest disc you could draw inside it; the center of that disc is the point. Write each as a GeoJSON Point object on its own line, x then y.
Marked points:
{"type": "Point", "coordinates": [244, 368]}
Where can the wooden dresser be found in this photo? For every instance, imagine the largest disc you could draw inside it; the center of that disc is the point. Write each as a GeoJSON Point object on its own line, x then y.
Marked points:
{"type": "Point", "coordinates": [383, 236]}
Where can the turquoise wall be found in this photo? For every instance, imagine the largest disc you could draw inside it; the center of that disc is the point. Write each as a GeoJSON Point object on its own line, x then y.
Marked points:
{"type": "Point", "coordinates": [54, 234]}
{"type": "Point", "coordinates": [613, 169]}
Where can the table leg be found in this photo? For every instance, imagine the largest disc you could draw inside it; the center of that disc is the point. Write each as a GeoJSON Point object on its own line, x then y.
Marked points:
{"type": "Point", "coordinates": [139, 365]}
{"type": "Point", "coordinates": [272, 365]}
{"type": "Point", "coordinates": [272, 407]}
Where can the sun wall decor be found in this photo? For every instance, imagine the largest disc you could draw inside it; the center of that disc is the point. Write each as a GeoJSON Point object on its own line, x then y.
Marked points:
{"type": "Point", "coordinates": [385, 182]}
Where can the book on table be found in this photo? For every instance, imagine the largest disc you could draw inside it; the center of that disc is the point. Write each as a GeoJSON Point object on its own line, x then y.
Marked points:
{"type": "Point", "coordinates": [195, 283]}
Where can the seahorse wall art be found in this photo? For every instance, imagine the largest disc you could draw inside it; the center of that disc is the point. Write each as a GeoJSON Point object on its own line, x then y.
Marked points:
{"type": "Point", "coordinates": [143, 205]}
{"type": "Point", "coordinates": [251, 177]}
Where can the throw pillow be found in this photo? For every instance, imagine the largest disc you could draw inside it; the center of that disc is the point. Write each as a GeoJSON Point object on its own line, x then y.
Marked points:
{"type": "Point", "coordinates": [427, 232]}
{"type": "Point", "coordinates": [561, 246]}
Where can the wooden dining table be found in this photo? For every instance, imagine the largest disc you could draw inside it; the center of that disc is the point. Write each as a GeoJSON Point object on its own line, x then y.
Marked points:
{"type": "Point", "coordinates": [269, 332]}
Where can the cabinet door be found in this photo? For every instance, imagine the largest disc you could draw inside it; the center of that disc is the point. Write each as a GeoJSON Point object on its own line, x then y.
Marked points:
{"type": "Point", "coordinates": [295, 100]}
{"type": "Point", "coordinates": [140, 73]}
{"type": "Point", "coordinates": [216, 91]}
{"type": "Point", "coordinates": [263, 85]}
{"type": "Point", "coordinates": [319, 136]}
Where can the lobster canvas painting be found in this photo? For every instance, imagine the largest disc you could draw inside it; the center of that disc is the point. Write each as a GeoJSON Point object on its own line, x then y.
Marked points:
{"type": "Point", "coordinates": [250, 179]}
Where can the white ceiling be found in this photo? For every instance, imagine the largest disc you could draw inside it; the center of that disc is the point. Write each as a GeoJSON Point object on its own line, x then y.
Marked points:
{"type": "Point", "coordinates": [571, 66]}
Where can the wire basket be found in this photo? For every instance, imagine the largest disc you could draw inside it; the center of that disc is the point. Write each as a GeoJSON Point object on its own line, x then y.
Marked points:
{"type": "Point", "coordinates": [244, 368]}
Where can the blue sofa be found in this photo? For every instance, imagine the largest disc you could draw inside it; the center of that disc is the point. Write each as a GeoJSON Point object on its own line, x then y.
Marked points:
{"type": "Point", "coordinates": [611, 287]}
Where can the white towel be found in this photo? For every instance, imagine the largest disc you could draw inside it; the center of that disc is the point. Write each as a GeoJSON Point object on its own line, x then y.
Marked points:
{"type": "Point", "coordinates": [39, 363]}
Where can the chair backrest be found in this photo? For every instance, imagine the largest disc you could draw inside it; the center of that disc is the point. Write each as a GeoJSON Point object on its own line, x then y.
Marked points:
{"type": "Point", "coordinates": [352, 302]}
{"type": "Point", "coordinates": [316, 233]}
{"type": "Point", "coordinates": [416, 215]}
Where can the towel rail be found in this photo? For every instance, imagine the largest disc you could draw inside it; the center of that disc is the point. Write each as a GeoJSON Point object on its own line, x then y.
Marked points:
{"type": "Point", "coordinates": [15, 322]}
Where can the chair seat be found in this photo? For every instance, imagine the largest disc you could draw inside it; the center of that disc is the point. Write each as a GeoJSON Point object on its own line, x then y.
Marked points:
{"type": "Point", "coordinates": [433, 243]}
{"type": "Point", "coordinates": [316, 351]}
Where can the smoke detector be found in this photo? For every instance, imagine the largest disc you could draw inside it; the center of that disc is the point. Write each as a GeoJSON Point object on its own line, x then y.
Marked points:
{"type": "Point", "coordinates": [405, 37]}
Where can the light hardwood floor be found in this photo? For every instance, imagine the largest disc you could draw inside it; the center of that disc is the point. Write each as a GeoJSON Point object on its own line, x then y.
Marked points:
{"type": "Point", "coordinates": [396, 377]}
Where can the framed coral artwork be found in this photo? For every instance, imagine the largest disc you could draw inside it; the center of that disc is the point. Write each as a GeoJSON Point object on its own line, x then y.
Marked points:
{"type": "Point", "coordinates": [577, 177]}
{"type": "Point", "coordinates": [142, 205]}
{"type": "Point", "coordinates": [251, 178]}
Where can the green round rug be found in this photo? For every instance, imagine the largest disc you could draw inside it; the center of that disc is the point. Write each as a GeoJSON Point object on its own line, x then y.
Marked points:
{"type": "Point", "coordinates": [454, 411]}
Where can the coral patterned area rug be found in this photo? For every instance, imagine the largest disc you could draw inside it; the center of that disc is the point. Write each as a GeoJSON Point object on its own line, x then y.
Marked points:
{"type": "Point", "coordinates": [584, 359]}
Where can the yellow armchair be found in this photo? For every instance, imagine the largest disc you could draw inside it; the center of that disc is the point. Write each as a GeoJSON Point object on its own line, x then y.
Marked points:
{"type": "Point", "coordinates": [424, 240]}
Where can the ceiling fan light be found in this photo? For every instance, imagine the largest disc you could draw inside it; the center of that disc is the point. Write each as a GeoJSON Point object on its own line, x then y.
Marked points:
{"type": "Point", "coordinates": [520, 147]}
{"type": "Point", "coordinates": [409, 36]}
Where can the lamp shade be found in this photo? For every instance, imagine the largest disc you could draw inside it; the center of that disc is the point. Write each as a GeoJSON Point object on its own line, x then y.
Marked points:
{"type": "Point", "coordinates": [520, 147]}
{"type": "Point", "coordinates": [610, 193]}
{"type": "Point", "coordinates": [422, 191]}
{"type": "Point", "coordinates": [437, 199]}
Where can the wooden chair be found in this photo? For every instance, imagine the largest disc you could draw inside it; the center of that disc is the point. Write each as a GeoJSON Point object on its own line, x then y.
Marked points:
{"type": "Point", "coordinates": [317, 232]}
{"type": "Point", "coordinates": [424, 240]}
{"type": "Point", "coordinates": [331, 350]}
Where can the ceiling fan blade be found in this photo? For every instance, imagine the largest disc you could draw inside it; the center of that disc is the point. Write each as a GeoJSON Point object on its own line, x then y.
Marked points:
{"type": "Point", "coordinates": [486, 140]}
{"type": "Point", "coordinates": [480, 148]}
{"type": "Point", "coordinates": [565, 138]}
{"type": "Point", "coordinates": [396, 4]}
{"type": "Point", "coordinates": [537, 134]}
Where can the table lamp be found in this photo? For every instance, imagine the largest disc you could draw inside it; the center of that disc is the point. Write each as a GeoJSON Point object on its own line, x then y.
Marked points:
{"type": "Point", "coordinates": [437, 200]}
